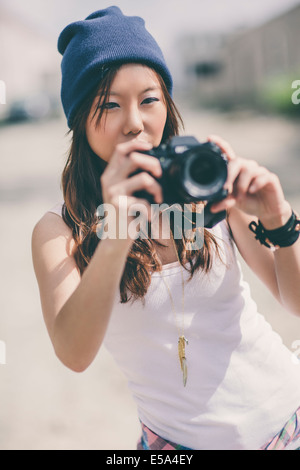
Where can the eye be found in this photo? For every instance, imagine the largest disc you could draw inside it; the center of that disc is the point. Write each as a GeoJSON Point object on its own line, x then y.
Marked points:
{"type": "Point", "coordinates": [150, 100]}
{"type": "Point", "coordinates": [109, 105]}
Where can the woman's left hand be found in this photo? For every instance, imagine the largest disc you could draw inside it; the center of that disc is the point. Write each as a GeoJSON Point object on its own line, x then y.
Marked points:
{"type": "Point", "coordinates": [252, 189]}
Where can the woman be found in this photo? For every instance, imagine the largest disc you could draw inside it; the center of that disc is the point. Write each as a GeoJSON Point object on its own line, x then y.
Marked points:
{"type": "Point", "coordinates": [205, 369]}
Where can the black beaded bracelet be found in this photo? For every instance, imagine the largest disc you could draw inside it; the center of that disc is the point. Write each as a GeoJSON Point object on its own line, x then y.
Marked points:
{"type": "Point", "coordinates": [280, 237]}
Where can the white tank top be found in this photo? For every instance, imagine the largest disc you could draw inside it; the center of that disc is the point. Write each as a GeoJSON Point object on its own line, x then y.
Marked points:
{"type": "Point", "coordinates": [243, 384]}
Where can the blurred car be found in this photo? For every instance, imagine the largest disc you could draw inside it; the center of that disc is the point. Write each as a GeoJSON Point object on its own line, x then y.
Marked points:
{"type": "Point", "coordinates": [32, 108]}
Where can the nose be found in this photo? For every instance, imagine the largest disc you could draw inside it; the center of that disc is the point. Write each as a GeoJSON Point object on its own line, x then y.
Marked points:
{"type": "Point", "coordinates": [133, 122]}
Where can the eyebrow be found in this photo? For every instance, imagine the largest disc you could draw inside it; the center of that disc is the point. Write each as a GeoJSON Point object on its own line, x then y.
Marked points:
{"type": "Point", "coordinates": [152, 88]}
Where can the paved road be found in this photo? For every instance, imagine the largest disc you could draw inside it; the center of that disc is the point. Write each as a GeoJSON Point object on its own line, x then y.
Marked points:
{"type": "Point", "coordinates": [43, 405]}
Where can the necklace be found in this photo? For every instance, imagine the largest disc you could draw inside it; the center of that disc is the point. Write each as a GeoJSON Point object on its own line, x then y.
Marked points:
{"type": "Point", "coordinates": [182, 341]}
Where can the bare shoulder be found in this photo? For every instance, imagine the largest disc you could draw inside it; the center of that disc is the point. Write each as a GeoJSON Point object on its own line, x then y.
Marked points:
{"type": "Point", "coordinates": [52, 228]}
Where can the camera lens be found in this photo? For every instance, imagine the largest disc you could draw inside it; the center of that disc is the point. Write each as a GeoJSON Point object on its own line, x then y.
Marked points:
{"type": "Point", "coordinates": [204, 174]}
{"type": "Point", "coordinates": [203, 170]}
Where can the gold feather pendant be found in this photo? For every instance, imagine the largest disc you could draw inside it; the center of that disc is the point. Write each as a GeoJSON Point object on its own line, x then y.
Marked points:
{"type": "Point", "coordinates": [181, 352]}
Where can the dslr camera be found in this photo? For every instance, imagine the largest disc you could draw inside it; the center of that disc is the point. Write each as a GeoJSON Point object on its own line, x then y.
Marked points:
{"type": "Point", "coordinates": [191, 172]}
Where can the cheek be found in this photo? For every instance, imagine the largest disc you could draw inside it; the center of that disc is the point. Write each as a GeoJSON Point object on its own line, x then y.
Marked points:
{"type": "Point", "coordinates": [100, 140]}
{"type": "Point", "coordinates": [159, 125]}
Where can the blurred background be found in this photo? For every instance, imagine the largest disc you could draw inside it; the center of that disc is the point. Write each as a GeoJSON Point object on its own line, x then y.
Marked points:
{"type": "Point", "coordinates": [234, 64]}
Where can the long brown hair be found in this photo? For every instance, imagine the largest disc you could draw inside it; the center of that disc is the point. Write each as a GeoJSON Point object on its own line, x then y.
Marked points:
{"type": "Point", "coordinates": [82, 195]}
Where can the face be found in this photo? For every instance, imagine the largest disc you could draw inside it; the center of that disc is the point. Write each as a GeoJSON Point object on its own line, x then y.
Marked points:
{"type": "Point", "coordinates": [135, 110]}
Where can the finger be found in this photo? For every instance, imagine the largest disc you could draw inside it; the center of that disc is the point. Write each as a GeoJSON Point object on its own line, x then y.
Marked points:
{"type": "Point", "coordinates": [224, 146]}
{"type": "Point", "coordinates": [125, 149]}
{"type": "Point", "coordinates": [136, 161]}
{"type": "Point", "coordinates": [146, 182]}
{"type": "Point", "coordinates": [263, 180]}
{"type": "Point", "coordinates": [246, 177]}
{"type": "Point", "coordinates": [134, 145]}
{"type": "Point", "coordinates": [233, 170]}
{"type": "Point", "coordinates": [223, 205]}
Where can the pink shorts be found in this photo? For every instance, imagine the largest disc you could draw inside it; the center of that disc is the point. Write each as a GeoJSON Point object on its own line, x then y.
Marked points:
{"type": "Point", "coordinates": [288, 435]}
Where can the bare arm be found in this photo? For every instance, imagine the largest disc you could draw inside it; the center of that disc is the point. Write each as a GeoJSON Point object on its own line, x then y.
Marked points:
{"type": "Point", "coordinates": [287, 266]}
{"type": "Point", "coordinates": [279, 270]}
{"type": "Point", "coordinates": [77, 310]}
{"type": "Point", "coordinates": [256, 193]}
{"type": "Point", "coordinates": [81, 325]}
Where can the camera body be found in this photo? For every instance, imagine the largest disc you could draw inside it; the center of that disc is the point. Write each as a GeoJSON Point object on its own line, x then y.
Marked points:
{"type": "Point", "coordinates": [191, 172]}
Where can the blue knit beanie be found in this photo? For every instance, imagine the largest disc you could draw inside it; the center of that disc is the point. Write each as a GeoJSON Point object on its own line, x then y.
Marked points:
{"type": "Point", "coordinates": [104, 38]}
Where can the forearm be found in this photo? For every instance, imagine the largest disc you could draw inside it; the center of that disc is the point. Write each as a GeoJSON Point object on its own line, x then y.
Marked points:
{"type": "Point", "coordinates": [287, 265]}
{"type": "Point", "coordinates": [254, 190]}
{"type": "Point", "coordinates": [81, 324]}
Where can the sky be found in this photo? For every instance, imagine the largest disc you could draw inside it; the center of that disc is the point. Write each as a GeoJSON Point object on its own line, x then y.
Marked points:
{"type": "Point", "coordinates": [164, 18]}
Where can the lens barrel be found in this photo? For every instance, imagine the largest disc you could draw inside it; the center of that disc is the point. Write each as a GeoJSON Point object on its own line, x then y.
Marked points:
{"type": "Point", "coordinates": [198, 174]}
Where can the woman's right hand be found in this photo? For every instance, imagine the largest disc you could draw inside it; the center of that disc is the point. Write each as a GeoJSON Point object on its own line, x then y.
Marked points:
{"type": "Point", "coordinates": [115, 180]}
